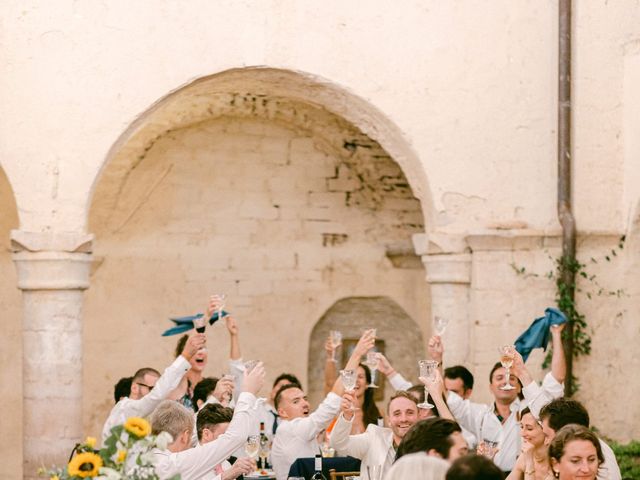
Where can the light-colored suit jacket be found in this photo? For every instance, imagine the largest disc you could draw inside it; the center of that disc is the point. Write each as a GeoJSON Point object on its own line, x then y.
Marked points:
{"type": "Point", "coordinates": [373, 447]}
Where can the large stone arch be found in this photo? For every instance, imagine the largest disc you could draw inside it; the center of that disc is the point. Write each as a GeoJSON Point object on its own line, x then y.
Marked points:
{"type": "Point", "coordinates": [280, 203]}
{"type": "Point", "coordinates": [11, 338]}
{"type": "Point", "coordinates": [402, 336]}
{"type": "Point", "coordinates": [199, 100]}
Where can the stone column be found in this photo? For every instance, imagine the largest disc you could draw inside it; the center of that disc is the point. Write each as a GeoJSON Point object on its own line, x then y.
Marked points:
{"type": "Point", "coordinates": [447, 264]}
{"type": "Point", "coordinates": [53, 272]}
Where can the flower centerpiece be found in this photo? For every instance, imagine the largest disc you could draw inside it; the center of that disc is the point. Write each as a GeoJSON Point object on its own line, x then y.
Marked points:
{"type": "Point", "coordinates": [127, 453]}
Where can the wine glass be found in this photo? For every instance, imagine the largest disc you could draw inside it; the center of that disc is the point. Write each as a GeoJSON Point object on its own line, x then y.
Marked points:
{"type": "Point", "coordinates": [222, 299]}
{"type": "Point", "coordinates": [252, 446]}
{"type": "Point", "coordinates": [427, 370]}
{"type": "Point", "coordinates": [488, 448]}
{"type": "Point", "coordinates": [440, 325]}
{"type": "Point", "coordinates": [336, 340]}
{"type": "Point", "coordinates": [200, 325]}
{"type": "Point", "coordinates": [374, 472]}
{"type": "Point", "coordinates": [227, 396]}
{"type": "Point", "coordinates": [250, 365]}
{"type": "Point", "coordinates": [506, 360]}
{"type": "Point", "coordinates": [349, 378]}
{"type": "Point", "coordinates": [372, 363]}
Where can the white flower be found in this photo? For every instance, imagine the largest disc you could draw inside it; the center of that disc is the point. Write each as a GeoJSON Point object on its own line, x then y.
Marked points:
{"type": "Point", "coordinates": [107, 473]}
{"type": "Point", "coordinates": [163, 440]}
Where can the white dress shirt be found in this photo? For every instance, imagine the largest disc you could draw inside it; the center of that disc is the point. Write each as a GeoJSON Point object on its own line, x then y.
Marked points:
{"type": "Point", "coordinates": [373, 447]}
{"type": "Point", "coordinates": [609, 470]}
{"type": "Point", "coordinates": [482, 421]}
{"type": "Point", "coordinates": [198, 462]}
{"type": "Point", "coordinates": [143, 407]}
{"type": "Point", "coordinates": [297, 438]}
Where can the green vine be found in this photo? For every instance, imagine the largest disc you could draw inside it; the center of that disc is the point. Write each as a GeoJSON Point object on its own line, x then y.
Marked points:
{"type": "Point", "coordinates": [566, 301]}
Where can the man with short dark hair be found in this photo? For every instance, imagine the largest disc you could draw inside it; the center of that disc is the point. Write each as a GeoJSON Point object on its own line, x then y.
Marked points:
{"type": "Point", "coordinates": [296, 435]}
{"type": "Point", "coordinates": [435, 436]}
{"type": "Point", "coordinates": [149, 388]}
{"type": "Point", "coordinates": [474, 467]}
{"type": "Point", "coordinates": [377, 445]}
{"type": "Point", "coordinates": [565, 411]}
{"type": "Point", "coordinates": [212, 421]}
{"type": "Point", "coordinates": [459, 379]}
{"type": "Point", "coordinates": [122, 388]}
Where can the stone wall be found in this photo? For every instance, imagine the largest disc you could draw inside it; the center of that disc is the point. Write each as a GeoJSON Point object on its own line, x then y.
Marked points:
{"type": "Point", "coordinates": [273, 217]}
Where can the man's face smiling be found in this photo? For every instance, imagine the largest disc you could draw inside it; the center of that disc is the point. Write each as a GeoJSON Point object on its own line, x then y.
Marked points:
{"type": "Point", "coordinates": [293, 404]}
{"type": "Point", "coordinates": [498, 379]}
{"type": "Point", "coordinates": [403, 414]}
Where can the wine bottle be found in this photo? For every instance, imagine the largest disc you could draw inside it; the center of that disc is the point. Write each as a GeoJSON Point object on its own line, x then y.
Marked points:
{"type": "Point", "coordinates": [318, 468]}
{"type": "Point", "coordinates": [265, 447]}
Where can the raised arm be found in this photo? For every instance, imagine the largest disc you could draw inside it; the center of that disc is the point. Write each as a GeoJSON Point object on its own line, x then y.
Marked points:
{"type": "Point", "coordinates": [435, 386]}
{"type": "Point", "coordinates": [366, 343]}
{"type": "Point", "coordinates": [341, 439]}
{"type": "Point", "coordinates": [330, 365]}
{"type": "Point", "coordinates": [558, 360]}
{"type": "Point", "coordinates": [435, 347]}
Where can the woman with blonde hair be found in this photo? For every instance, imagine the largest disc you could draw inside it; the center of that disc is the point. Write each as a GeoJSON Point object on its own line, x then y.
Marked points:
{"type": "Point", "coordinates": [418, 465]}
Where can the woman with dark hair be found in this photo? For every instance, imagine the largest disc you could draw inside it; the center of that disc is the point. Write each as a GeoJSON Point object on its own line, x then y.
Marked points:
{"type": "Point", "coordinates": [575, 452]}
{"type": "Point", "coordinates": [533, 462]}
{"type": "Point", "coordinates": [367, 412]}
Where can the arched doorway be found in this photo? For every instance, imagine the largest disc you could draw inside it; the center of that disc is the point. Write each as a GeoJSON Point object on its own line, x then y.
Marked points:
{"type": "Point", "coordinates": [237, 185]}
{"type": "Point", "coordinates": [401, 335]}
{"type": "Point", "coordinates": [11, 338]}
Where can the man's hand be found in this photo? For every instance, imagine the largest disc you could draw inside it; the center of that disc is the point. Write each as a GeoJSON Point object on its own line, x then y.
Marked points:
{"type": "Point", "coordinates": [214, 305]}
{"type": "Point", "coordinates": [435, 348]}
{"type": "Point", "coordinates": [242, 466]}
{"type": "Point", "coordinates": [194, 343]}
{"type": "Point", "coordinates": [254, 380]}
{"type": "Point", "coordinates": [384, 366]}
{"type": "Point", "coordinates": [329, 348]}
{"type": "Point", "coordinates": [346, 406]}
{"type": "Point", "coordinates": [231, 324]}
{"type": "Point", "coordinates": [367, 342]}
{"type": "Point", "coordinates": [224, 389]}
{"type": "Point", "coordinates": [520, 370]}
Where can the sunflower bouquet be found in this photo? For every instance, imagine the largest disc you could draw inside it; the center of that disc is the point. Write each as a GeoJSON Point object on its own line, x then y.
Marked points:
{"type": "Point", "coordinates": [126, 454]}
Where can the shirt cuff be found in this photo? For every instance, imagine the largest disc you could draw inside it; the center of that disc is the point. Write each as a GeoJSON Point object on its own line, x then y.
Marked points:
{"type": "Point", "coordinates": [182, 363]}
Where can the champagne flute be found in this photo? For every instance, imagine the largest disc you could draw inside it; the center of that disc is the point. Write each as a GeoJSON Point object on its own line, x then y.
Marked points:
{"type": "Point", "coordinates": [252, 446]}
{"type": "Point", "coordinates": [440, 325]}
{"type": "Point", "coordinates": [336, 341]}
{"type": "Point", "coordinates": [488, 448]}
{"type": "Point", "coordinates": [427, 370]}
{"type": "Point", "coordinates": [349, 378]}
{"type": "Point", "coordinates": [372, 363]}
{"type": "Point", "coordinates": [228, 396]}
{"type": "Point", "coordinates": [506, 360]}
{"type": "Point", "coordinates": [222, 298]}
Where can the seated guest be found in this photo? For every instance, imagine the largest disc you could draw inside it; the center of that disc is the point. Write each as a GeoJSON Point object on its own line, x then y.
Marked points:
{"type": "Point", "coordinates": [212, 421]}
{"type": "Point", "coordinates": [196, 463]}
{"type": "Point", "coordinates": [122, 388]}
{"type": "Point", "coordinates": [474, 467]}
{"type": "Point", "coordinates": [533, 462]}
{"type": "Point", "coordinates": [565, 411]}
{"type": "Point", "coordinates": [499, 421]}
{"type": "Point", "coordinates": [212, 390]}
{"type": "Point", "coordinates": [575, 453]}
{"type": "Point", "coordinates": [423, 413]}
{"type": "Point", "coordinates": [376, 446]}
{"type": "Point", "coordinates": [149, 388]}
{"type": "Point", "coordinates": [439, 437]}
{"type": "Point", "coordinates": [418, 465]}
{"type": "Point", "coordinates": [296, 435]}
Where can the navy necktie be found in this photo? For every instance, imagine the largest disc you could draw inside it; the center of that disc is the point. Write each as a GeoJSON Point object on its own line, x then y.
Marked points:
{"type": "Point", "coordinates": [275, 422]}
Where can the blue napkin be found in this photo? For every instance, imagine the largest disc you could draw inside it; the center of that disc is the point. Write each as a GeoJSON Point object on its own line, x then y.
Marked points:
{"type": "Point", "coordinates": [537, 335]}
{"type": "Point", "coordinates": [184, 324]}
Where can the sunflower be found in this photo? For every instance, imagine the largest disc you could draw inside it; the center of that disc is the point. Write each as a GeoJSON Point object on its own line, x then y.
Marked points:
{"type": "Point", "coordinates": [137, 426]}
{"type": "Point", "coordinates": [84, 465]}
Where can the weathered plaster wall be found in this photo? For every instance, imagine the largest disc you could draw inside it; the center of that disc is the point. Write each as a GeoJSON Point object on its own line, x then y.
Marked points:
{"type": "Point", "coordinates": [256, 210]}
{"type": "Point", "coordinates": [11, 338]}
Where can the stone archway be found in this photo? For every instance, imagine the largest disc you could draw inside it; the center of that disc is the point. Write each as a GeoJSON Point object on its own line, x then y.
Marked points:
{"type": "Point", "coordinates": [401, 334]}
{"type": "Point", "coordinates": [11, 338]}
{"type": "Point", "coordinates": [278, 202]}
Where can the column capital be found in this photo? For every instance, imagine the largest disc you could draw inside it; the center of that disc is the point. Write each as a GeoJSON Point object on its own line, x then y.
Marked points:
{"type": "Point", "coordinates": [446, 257]}
{"type": "Point", "coordinates": [52, 261]}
